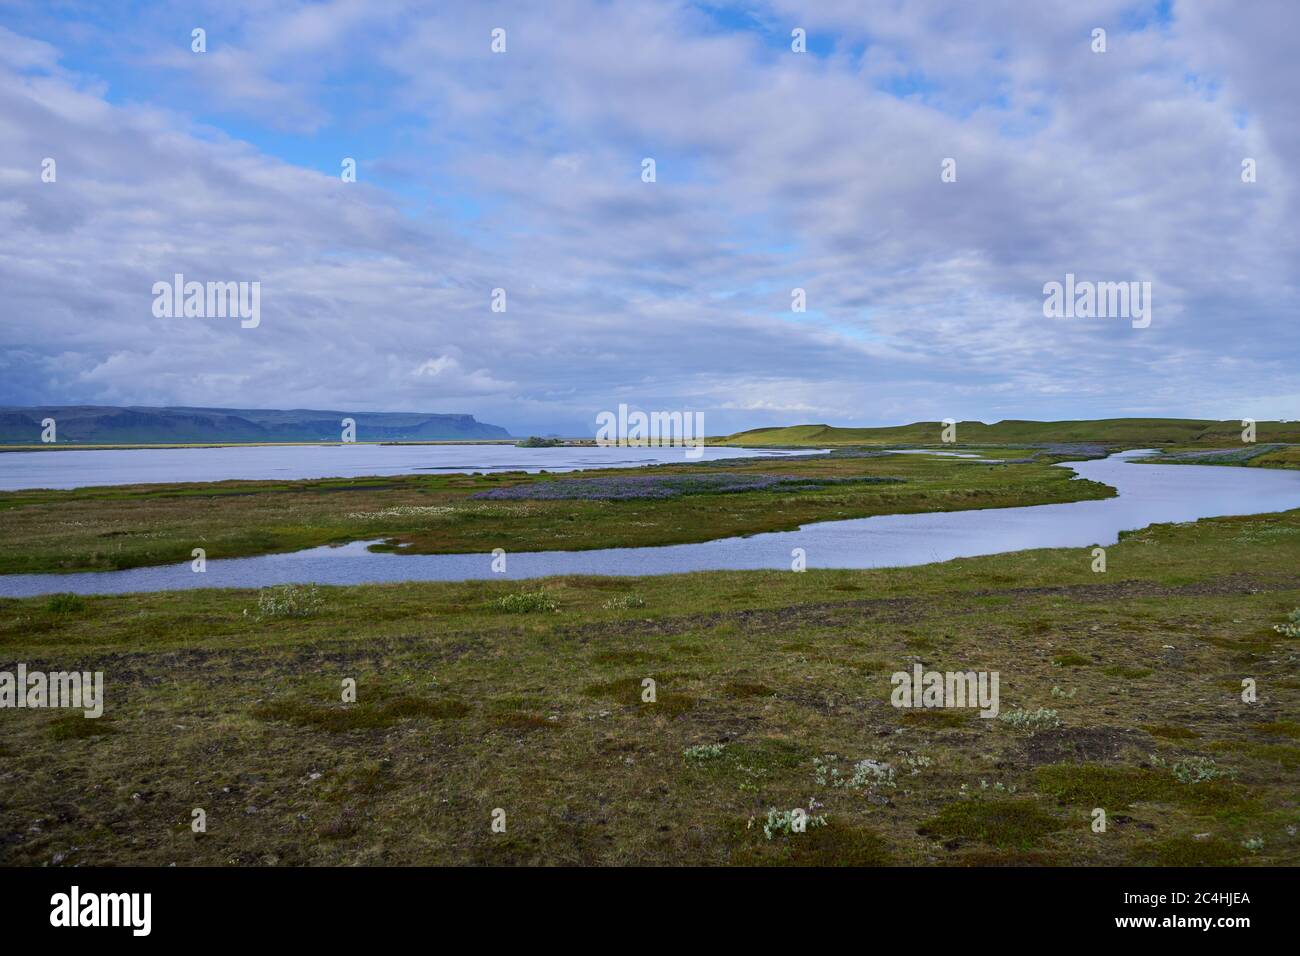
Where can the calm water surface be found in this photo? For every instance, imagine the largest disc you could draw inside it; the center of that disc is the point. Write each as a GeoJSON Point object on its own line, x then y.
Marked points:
{"type": "Point", "coordinates": [78, 468]}
{"type": "Point", "coordinates": [1148, 494]}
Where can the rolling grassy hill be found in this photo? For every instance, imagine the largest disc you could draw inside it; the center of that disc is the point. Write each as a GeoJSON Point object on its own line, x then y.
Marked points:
{"type": "Point", "coordinates": [1127, 431]}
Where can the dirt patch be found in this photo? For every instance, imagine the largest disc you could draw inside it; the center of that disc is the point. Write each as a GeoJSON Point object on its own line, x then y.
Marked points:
{"type": "Point", "coordinates": [1082, 745]}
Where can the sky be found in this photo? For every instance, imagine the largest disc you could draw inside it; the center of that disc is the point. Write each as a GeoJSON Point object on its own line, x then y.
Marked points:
{"type": "Point", "coordinates": [774, 170]}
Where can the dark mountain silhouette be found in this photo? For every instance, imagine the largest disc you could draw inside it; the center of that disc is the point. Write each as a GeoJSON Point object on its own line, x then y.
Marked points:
{"type": "Point", "coordinates": [139, 424]}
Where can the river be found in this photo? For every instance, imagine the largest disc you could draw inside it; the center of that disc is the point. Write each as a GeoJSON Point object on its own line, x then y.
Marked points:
{"type": "Point", "coordinates": [1148, 494]}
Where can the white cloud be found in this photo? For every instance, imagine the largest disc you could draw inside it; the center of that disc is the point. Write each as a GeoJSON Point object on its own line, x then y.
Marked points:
{"type": "Point", "coordinates": [522, 171]}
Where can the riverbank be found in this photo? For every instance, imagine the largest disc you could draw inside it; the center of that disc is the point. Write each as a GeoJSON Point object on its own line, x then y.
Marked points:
{"type": "Point", "coordinates": [1248, 456]}
{"type": "Point", "coordinates": [107, 528]}
{"type": "Point", "coordinates": [528, 698]}
{"type": "Point", "coordinates": [1140, 497]}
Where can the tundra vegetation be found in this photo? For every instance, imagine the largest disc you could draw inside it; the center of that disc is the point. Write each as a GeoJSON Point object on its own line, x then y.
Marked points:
{"type": "Point", "coordinates": [1126, 432]}
{"type": "Point", "coordinates": [106, 528]}
{"type": "Point", "coordinates": [771, 689]}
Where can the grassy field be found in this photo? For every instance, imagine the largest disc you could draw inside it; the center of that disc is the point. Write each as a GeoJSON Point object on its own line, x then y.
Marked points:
{"type": "Point", "coordinates": [772, 693]}
{"type": "Point", "coordinates": [121, 527]}
{"type": "Point", "coordinates": [1251, 456]}
{"type": "Point", "coordinates": [1128, 432]}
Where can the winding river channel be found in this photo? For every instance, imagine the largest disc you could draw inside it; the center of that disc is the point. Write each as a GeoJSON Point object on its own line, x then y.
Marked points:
{"type": "Point", "coordinates": [1148, 494]}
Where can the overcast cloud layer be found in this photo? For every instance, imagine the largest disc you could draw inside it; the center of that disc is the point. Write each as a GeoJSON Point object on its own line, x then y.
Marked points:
{"type": "Point", "coordinates": [775, 170]}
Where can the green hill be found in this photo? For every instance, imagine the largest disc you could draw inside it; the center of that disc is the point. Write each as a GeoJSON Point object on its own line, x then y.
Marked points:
{"type": "Point", "coordinates": [1153, 432]}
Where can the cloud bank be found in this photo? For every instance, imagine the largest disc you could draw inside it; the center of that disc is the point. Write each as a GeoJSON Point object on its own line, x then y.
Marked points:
{"type": "Point", "coordinates": [775, 170]}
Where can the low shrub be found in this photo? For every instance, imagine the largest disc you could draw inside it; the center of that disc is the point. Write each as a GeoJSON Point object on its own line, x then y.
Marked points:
{"type": "Point", "coordinates": [526, 602]}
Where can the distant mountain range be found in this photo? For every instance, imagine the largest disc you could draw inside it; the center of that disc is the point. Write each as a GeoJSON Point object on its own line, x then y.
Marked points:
{"type": "Point", "coordinates": [140, 424]}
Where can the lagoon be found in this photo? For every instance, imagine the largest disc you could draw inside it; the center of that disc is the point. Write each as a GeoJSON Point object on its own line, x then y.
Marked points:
{"type": "Point", "coordinates": [82, 467]}
{"type": "Point", "coordinates": [1148, 494]}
